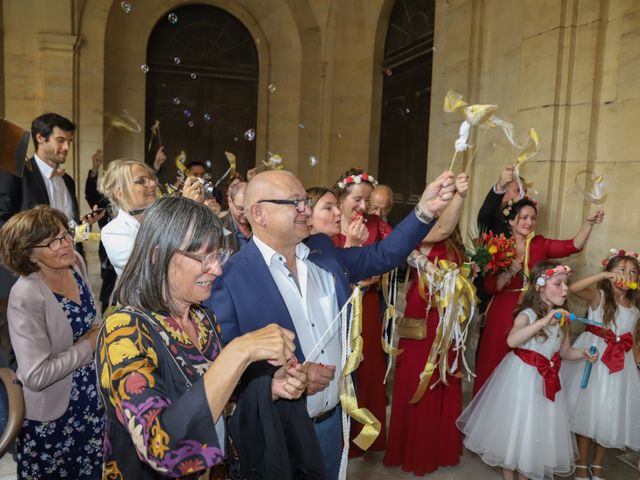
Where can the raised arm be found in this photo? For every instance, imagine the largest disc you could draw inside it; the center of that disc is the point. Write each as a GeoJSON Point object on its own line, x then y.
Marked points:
{"type": "Point", "coordinates": [580, 239]}
{"type": "Point", "coordinates": [450, 217]}
{"type": "Point", "coordinates": [522, 330]}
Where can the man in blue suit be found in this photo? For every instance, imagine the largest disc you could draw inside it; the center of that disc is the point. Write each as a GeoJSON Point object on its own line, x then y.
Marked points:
{"type": "Point", "coordinates": [276, 278]}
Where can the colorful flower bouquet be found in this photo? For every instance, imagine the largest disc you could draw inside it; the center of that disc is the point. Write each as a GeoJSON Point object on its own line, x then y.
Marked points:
{"type": "Point", "coordinates": [493, 253]}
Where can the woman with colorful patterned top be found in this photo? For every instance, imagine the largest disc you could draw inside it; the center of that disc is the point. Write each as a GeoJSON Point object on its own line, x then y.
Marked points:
{"type": "Point", "coordinates": [164, 375]}
{"type": "Point", "coordinates": [53, 326]}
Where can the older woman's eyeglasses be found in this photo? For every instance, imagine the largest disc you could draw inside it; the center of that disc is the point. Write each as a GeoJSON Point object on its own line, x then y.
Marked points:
{"type": "Point", "coordinates": [300, 203]}
{"type": "Point", "coordinates": [144, 181]}
{"type": "Point", "coordinates": [220, 257]}
{"type": "Point", "coordinates": [55, 244]}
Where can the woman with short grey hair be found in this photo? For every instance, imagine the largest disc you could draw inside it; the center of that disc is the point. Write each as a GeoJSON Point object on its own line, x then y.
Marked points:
{"type": "Point", "coordinates": [163, 372]}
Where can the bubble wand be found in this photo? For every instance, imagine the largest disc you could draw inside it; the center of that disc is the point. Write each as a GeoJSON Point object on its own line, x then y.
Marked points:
{"type": "Point", "coordinates": [587, 368]}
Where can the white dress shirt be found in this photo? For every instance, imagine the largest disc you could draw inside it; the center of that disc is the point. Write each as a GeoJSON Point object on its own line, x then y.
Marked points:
{"type": "Point", "coordinates": [312, 304]}
{"type": "Point", "coordinates": [59, 196]}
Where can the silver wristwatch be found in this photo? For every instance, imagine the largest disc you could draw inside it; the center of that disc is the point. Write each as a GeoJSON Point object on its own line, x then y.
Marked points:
{"type": "Point", "coordinates": [423, 216]}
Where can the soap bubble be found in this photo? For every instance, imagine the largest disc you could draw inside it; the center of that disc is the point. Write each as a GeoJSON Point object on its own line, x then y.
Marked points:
{"type": "Point", "coordinates": [126, 6]}
{"type": "Point", "coordinates": [388, 72]}
{"type": "Point", "coordinates": [193, 76]}
{"type": "Point", "coordinates": [177, 60]}
{"type": "Point", "coordinates": [301, 125]}
{"type": "Point", "coordinates": [313, 160]}
{"type": "Point", "coordinates": [272, 88]}
{"type": "Point", "coordinates": [173, 18]}
{"type": "Point", "coordinates": [250, 134]}
{"type": "Point", "coordinates": [206, 117]}
{"type": "Point", "coordinates": [176, 101]}
{"type": "Point", "coordinates": [144, 68]}
{"type": "Point", "coordinates": [187, 112]}
{"type": "Point", "coordinates": [190, 124]}
{"type": "Point", "coordinates": [207, 163]}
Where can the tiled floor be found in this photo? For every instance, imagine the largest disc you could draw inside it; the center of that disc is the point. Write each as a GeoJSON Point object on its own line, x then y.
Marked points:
{"type": "Point", "coordinates": [370, 466]}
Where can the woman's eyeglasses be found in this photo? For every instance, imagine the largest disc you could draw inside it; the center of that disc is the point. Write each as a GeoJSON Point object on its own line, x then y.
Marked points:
{"type": "Point", "coordinates": [144, 181]}
{"type": "Point", "coordinates": [55, 244]}
{"type": "Point", "coordinates": [220, 257]}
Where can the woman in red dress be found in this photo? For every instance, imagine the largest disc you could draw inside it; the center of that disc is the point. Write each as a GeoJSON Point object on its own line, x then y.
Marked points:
{"type": "Point", "coordinates": [354, 190]}
{"type": "Point", "coordinates": [423, 436]}
{"type": "Point", "coordinates": [506, 286]}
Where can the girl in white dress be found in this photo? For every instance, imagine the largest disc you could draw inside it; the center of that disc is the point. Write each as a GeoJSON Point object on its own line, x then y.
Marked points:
{"type": "Point", "coordinates": [519, 419]}
{"type": "Point", "coordinates": [607, 411]}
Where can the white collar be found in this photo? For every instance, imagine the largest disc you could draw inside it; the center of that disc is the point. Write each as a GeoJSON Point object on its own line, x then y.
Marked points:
{"type": "Point", "coordinates": [44, 167]}
{"type": "Point", "coordinates": [126, 218]}
{"type": "Point", "coordinates": [302, 251]}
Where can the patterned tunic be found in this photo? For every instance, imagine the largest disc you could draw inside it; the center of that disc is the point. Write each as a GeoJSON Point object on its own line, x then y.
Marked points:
{"type": "Point", "coordinates": [150, 378]}
{"type": "Point", "coordinates": [70, 446]}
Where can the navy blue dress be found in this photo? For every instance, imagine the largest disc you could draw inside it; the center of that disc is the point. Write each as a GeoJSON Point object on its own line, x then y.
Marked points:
{"type": "Point", "coordinates": [70, 446]}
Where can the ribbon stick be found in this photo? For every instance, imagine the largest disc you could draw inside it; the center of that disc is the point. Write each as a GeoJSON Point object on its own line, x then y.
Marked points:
{"type": "Point", "coordinates": [231, 158]}
{"type": "Point", "coordinates": [273, 162]}
{"type": "Point", "coordinates": [594, 186]}
{"type": "Point", "coordinates": [456, 300]}
{"type": "Point", "coordinates": [353, 342]}
{"type": "Point", "coordinates": [155, 132]}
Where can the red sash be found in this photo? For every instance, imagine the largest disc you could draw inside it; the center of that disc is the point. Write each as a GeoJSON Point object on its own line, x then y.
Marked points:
{"type": "Point", "coordinates": [547, 368]}
{"type": "Point", "coordinates": [617, 346]}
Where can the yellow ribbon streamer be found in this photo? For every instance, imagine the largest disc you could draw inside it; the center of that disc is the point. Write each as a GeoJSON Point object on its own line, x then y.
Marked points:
{"type": "Point", "coordinates": [232, 163]}
{"type": "Point", "coordinates": [83, 234]}
{"type": "Point", "coordinates": [525, 263]}
{"type": "Point", "coordinates": [455, 298]}
{"type": "Point", "coordinates": [348, 400]}
{"type": "Point", "coordinates": [388, 317]}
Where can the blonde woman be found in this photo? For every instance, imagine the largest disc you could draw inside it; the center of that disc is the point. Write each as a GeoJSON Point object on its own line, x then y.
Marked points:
{"type": "Point", "coordinates": [130, 187]}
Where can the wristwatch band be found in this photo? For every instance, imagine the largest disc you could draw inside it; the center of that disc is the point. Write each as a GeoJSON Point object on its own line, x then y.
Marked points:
{"type": "Point", "coordinates": [423, 216]}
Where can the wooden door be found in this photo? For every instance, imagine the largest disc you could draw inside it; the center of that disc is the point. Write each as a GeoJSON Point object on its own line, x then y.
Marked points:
{"type": "Point", "coordinates": [202, 88]}
{"type": "Point", "coordinates": [404, 126]}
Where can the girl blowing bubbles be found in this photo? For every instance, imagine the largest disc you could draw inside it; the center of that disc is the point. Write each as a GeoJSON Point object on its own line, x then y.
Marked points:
{"type": "Point", "coordinates": [519, 419]}
{"type": "Point", "coordinates": [607, 412]}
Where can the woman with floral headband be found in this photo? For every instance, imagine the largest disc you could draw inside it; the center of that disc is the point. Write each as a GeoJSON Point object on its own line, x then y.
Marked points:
{"type": "Point", "coordinates": [607, 411]}
{"type": "Point", "coordinates": [507, 285]}
{"type": "Point", "coordinates": [519, 420]}
{"type": "Point", "coordinates": [354, 190]}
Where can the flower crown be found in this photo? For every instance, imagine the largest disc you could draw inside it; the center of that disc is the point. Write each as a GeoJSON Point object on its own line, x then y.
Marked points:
{"type": "Point", "coordinates": [552, 272]}
{"type": "Point", "coordinates": [618, 253]}
{"type": "Point", "coordinates": [359, 178]}
{"type": "Point", "coordinates": [507, 209]}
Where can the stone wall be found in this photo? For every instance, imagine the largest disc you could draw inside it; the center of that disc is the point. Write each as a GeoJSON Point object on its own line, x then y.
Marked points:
{"type": "Point", "coordinates": [571, 68]}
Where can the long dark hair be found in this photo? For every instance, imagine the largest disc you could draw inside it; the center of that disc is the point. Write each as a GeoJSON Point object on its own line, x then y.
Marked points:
{"type": "Point", "coordinates": [610, 306]}
{"type": "Point", "coordinates": [169, 224]}
{"type": "Point", "coordinates": [532, 299]}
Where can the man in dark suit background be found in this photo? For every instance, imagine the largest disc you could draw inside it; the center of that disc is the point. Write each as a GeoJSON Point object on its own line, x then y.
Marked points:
{"type": "Point", "coordinates": [43, 180]}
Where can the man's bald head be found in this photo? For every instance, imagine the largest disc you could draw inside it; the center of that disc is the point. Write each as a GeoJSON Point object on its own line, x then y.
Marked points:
{"type": "Point", "coordinates": [381, 201]}
{"type": "Point", "coordinates": [278, 224]}
{"type": "Point", "coordinates": [270, 184]}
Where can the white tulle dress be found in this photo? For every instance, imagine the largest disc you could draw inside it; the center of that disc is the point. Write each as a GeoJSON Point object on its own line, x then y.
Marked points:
{"type": "Point", "coordinates": [512, 424]}
{"type": "Point", "coordinates": [608, 410]}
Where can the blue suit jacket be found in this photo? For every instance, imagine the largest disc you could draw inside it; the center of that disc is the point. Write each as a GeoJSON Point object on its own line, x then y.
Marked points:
{"type": "Point", "coordinates": [246, 298]}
